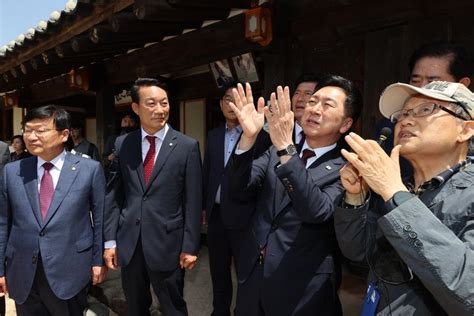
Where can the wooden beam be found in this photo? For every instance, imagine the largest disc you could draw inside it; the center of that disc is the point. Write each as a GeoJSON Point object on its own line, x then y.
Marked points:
{"type": "Point", "coordinates": [63, 50]}
{"type": "Point", "coordinates": [211, 4]}
{"type": "Point", "coordinates": [99, 14]}
{"type": "Point", "coordinates": [81, 43]}
{"type": "Point", "coordinates": [227, 37]}
{"type": "Point", "coordinates": [104, 35]}
{"type": "Point", "coordinates": [161, 10]}
{"type": "Point", "coordinates": [126, 23]}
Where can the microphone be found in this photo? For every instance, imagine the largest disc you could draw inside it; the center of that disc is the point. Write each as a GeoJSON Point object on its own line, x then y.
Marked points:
{"type": "Point", "coordinates": [385, 133]}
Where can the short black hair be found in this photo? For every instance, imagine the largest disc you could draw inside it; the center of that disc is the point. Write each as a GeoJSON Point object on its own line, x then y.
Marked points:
{"type": "Point", "coordinates": [307, 77]}
{"type": "Point", "coordinates": [230, 85]}
{"type": "Point", "coordinates": [145, 82]}
{"type": "Point", "coordinates": [20, 137]}
{"type": "Point", "coordinates": [77, 125]}
{"type": "Point", "coordinates": [353, 104]}
{"type": "Point", "coordinates": [61, 118]}
{"type": "Point", "coordinates": [460, 61]}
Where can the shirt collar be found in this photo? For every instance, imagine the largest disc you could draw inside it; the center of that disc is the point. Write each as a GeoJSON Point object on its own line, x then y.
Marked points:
{"type": "Point", "coordinates": [438, 180]}
{"type": "Point", "coordinates": [160, 134]}
{"type": "Point", "coordinates": [320, 150]}
{"type": "Point", "coordinates": [238, 128]}
{"type": "Point", "coordinates": [57, 161]}
{"type": "Point", "coordinates": [298, 128]}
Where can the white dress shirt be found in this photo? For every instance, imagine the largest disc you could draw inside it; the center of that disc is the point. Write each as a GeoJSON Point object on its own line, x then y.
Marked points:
{"type": "Point", "coordinates": [318, 151]}
{"type": "Point", "coordinates": [160, 137]}
{"type": "Point", "coordinates": [55, 171]}
{"type": "Point", "coordinates": [298, 133]}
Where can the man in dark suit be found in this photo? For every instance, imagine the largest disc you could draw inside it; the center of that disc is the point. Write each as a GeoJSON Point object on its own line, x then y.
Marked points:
{"type": "Point", "coordinates": [51, 221]}
{"type": "Point", "coordinates": [4, 159]}
{"type": "Point", "coordinates": [4, 155]}
{"type": "Point", "coordinates": [153, 205]}
{"type": "Point", "coordinates": [225, 230]}
{"type": "Point", "coordinates": [287, 264]}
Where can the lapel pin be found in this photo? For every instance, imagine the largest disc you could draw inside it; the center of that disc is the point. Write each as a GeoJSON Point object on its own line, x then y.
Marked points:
{"type": "Point", "coordinates": [171, 144]}
{"type": "Point", "coordinates": [328, 167]}
{"type": "Point", "coordinates": [73, 168]}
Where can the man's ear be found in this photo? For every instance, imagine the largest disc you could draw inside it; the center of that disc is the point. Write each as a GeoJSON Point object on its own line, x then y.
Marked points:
{"type": "Point", "coordinates": [467, 131]}
{"type": "Point", "coordinates": [65, 134]}
{"type": "Point", "coordinates": [135, 107]}
{"type": "Point", "coordinates": [346, 125]}
{"type": "Point", "coordinates": [465, 81]}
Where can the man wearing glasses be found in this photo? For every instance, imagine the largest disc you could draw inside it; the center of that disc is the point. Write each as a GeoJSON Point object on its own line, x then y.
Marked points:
{"type": "Point", "coordinates": [51, 215]}
{"type": "Point", "coordinates": [417, 236]}
{"type": "Point", "coordinates": [225, 228]}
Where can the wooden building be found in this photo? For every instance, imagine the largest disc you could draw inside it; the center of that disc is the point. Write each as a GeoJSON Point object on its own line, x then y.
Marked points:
{"type": "Point", "coordinates": [87, 56]}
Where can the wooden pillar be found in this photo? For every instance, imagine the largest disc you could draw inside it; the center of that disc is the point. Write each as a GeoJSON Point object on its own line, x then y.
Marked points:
{"type": "Point", "coordinates": [105, 109]}
{"type": "Point", "coordinates": [275, 57]}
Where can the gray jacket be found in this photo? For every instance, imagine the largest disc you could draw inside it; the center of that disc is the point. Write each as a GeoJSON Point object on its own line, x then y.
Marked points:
{"type": "Point", "coordinates": [434, 237]}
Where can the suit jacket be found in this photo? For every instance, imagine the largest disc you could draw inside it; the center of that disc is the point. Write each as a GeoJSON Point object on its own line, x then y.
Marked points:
{"type": "Point", "coordinates": [67, 241]}
{"type": "Point", "coordinates": [214, 175]}
{"type": "Point", "coordinates": [4, 155]}
{"type": "Point", "coordinates": [166, 213]}
{"type": "Point", "coordinates": [293, 222]}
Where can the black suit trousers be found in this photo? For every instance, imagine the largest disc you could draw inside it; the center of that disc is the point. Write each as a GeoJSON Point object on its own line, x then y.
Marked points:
{"type": "Point", "coordinates": [43, 302]}
{"type": "Point", "coordinates": [224, 245]}
{"type": "Point", "coordinates": [167, 285]}
{"type": "Point", "coordinates": [254, 298]}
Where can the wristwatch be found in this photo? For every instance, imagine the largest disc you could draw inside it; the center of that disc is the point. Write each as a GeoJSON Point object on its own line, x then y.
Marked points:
{"type": "Point", "coordinates": [397, 199]}
{"type": "Point", "coordinates": [290, 150]}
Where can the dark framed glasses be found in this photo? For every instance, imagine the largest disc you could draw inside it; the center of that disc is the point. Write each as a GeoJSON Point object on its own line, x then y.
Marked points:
{"type": "Point", "coordinates": [424, 109]}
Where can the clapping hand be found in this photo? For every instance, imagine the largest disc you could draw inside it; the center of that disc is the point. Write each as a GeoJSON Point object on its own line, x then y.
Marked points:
{"type": "Point", "coordinates": [280, 118]}
{"type": "Point", "coordinates": [250, 119]}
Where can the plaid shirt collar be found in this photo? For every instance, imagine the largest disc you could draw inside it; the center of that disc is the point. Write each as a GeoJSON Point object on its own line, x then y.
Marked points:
{"type": "Point", "coordinates": [438, 180]}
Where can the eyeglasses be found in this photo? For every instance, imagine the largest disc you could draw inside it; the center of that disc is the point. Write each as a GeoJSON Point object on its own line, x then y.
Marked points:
{"type": "Point", "coordinates": [422, 110]}
{"type": "Point", "coordinates": [38, 132]}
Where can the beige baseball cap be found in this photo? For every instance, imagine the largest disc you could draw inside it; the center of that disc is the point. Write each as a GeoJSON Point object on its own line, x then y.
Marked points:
{"type": "Point", "coordinates": [395, 96]}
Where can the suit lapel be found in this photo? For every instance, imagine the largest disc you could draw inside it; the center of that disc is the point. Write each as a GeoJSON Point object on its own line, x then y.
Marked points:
{"type": "Point", "coordinates": [169, 144]}
{"type": "Point", "coordinates": [28, 172]}
{"type": "Point", "coordinates": [66, 179]}
{"type": "Point", "coordinates": [222, 141]}
{"type": "Point", "coordinates": [322, 170]}
{"type": "Point", "coordinates": [134, 147]}
{"type": "Point", "coordinates": [220, 145]}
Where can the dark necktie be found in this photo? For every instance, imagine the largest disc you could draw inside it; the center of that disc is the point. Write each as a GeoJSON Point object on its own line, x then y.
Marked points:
{"type": "Point", "coordinates": [46, 189]}
{"type": "Point", "coordinates": [149, 158]}
{"type": "Point", "coordinates": [307, 153]}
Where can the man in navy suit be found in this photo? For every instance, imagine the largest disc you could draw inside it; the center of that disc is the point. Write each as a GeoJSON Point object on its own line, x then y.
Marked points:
{"type": "Point", "coordinates": [51, 216]}
{"type": "Point", "coordinates": [153, 205]}
{"type": "Point", "coordinates": [225, 229]}
{"type": "Point", "coordinates": [287, 263]}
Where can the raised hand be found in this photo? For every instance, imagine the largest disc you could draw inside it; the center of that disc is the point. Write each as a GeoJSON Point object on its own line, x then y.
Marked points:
{"type": "Point", "coordinates": [380, 171]}
{"type": "Point", "coordinates": [280, 118]}
{"type": "Point", "coordinates": [251, 120]}
{"type": "Point", "coordinates": [356, 188]}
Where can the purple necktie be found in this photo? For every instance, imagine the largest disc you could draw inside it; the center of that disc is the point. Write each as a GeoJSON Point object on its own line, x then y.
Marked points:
{"type": "Point", "coordinates": [46, 189]}
{"type": "Point", "coordinates": [307, 153]}
{"type": "Point", "coordinates": [149, 159]}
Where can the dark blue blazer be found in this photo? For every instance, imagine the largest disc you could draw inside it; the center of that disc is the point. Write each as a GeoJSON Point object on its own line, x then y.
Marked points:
{"type": "Point", "coordinates": [214, 174]}
{"type": "Point", "coordinates": [69, 240]}
{"type": "Point", "coordinates": [292, 220]}
{"type": "Point", "coordinates": [165, 213]}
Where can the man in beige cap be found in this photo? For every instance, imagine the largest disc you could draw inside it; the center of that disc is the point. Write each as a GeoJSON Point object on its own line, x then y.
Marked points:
{"type": "Point", "coordinates": [417, 235]}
